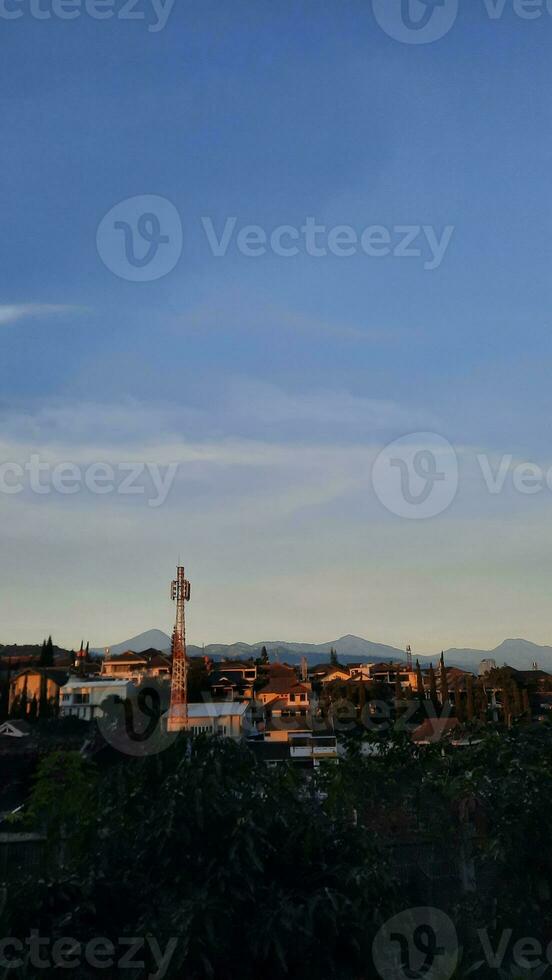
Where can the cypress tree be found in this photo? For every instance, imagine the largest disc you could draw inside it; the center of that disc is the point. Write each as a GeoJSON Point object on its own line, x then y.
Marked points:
{"type": "Point", "coordinates": [16, 709]}
{"type": "Point", "coordinates": [33, 710]}
{"type": "Point", "coordinates": [419, 681]}
{"type": "Point", "coordinates": [458, 702]}
{"type": "Point", "coordinates": [506, 706]}
{"type": "Point", "coordinates": [469, 697]}
{"type": "Point", "coordinates": [46, 658]}
{"type": "Point", "coordinates": [443, 681]}
{"type": "Point", "coordinates": [526, 703]}
{"type": "Point", "coordinates": [481, 700]}
{"type": "Point", "coordinates": [516, 699]}
{"type": "Point", "coordinates": [398, 688]}
{"type": "Point", "coordinates": [433, 687]}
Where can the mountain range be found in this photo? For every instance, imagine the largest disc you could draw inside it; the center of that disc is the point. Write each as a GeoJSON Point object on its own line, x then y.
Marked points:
{"type": "Point", "coordinates": [515, 652]}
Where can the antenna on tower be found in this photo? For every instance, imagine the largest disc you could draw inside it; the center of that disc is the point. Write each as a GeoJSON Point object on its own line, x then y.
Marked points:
{"type": "Point", "coordinates": [178, 710]}
{"type": "Point", "coordinates": [409, 657]}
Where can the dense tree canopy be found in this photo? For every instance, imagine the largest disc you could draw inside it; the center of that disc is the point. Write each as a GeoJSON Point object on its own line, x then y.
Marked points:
{"type": "Point", "coordinates": [258, 871]}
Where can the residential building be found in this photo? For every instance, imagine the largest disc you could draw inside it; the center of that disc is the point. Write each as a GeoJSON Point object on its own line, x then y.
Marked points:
{"type": "Point", "coordinates": [278, 670]}
{"type": "Point", "coordinates": [232, 719]}
{"type": "Point", "coordinates": [232, 680]}
{"type": "Point", "coordinates": [15, 729]}
{"type": "Point", "coordinates": [40, 684]}
{"type": "Point", "coordinates": [82, 697]}
{"type": "Point", "coordinates": [284, 693]}
{"type": "Point", "coordinates": [434, 729]}
{"type": "Point", "coordinates": [327, 673]}
{"type": "Point", "coordinates": [132, 666]}
{"type": "Point", "coordinates": [304, 749]}
{"type": "Point", "coordinates": [387, 673]}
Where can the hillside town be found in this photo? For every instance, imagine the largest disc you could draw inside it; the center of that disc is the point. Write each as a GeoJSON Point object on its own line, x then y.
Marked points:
{"type": "Point", "coordinates": [277, 706]}
{"type": "Point", "coordinates": [422, 770]}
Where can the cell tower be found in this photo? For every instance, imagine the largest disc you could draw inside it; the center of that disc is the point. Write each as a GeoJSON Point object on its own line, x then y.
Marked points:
{"type": "Point", "coordinates": [409, 657]}
{"type": "Point", "coordinates": [178, 711]}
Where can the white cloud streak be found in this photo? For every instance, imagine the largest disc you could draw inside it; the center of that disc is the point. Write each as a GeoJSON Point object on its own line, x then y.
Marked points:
{"type": "Point", "coordinates": [10, 314]}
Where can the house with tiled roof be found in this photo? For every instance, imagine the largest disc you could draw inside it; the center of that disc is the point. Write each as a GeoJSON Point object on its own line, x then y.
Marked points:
{"type": "Point", "coordinates": [327, 673]}
{"type": "Point", "coordinates": [434, 729]}
{"type": "Point", "coordinates": [131, 666]}
{"type": "Point", "coordinates": [232, 679]}
{"type": "Point", "coordinates": [284, 692]}
{"type": "Point", "coordinates": [40, 684]}
{"type": "Point", "coordinates": [278, 669]}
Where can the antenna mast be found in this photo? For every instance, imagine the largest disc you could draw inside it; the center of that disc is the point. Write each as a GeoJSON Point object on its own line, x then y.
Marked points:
{"type": "Point", "coordinates": [178, 711]}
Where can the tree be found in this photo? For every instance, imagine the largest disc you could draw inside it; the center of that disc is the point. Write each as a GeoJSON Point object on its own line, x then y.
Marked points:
{"type": "Point", "coordinates": [264, 656]}
{"type": "Point", "coordinates": [419, 681]}
{"type": "Point", "coordinates": [433, 687]}
{"type": "Point", "coordinates": [526, 703]}
{"type": "Point", "coordinates": [5, 693]}
{"type": "Point", "coordinates": [33, 710]}
{"type": "Point", "coordinates": [280, 875]}
{"type": "Point", "coordinates": [443, 681]}
{"type": "Point", "coordinates": [62, 797]}
{"type": "Point", "coordinates": [46, 658]}
{"type": "Point", "coordinates": [506, 706]}
{"type": "Point", "coordinates": [277, 882]}
{"type": "Point", "coordinates": [398, 688]}
{"type": "Point", "coordinates": [333, 658]}
{"type": "Point", "coordinates": [516, 700]}
{"type": "Point", "coordinates": [458, 701]}
{"type": "Point", "coordinates": [470, 708]}
{"type": "Point", "coordinates": [481, 704]}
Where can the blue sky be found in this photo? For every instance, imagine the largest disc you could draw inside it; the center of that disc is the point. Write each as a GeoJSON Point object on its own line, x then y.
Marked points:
{"type": "Point", "coordinates": [275, 381]}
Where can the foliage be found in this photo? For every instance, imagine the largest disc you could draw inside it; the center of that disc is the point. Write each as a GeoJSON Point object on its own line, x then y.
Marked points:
{"type": "Point", "coordinates": [239, 861]}
{"type": "Point", "coordinates": [63, 797]}
{"type": "Point", "coordinates": [46, 658]}
{"type": "Point", "coordinates": [263, 872]}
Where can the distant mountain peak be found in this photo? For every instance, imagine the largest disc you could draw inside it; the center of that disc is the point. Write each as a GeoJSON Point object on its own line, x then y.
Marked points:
{"type": "Point", "coordinates": [518, 653]}
{"type": "Point", "coordinates": [156, 639]}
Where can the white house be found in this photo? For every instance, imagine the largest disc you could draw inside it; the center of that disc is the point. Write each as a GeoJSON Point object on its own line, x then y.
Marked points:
{"type": "Point", "coordinates": [230, 718]}
{"type": "Point", "coordinates": [82, 696]}
{"type": "Point", "coordinates": [15, 729]}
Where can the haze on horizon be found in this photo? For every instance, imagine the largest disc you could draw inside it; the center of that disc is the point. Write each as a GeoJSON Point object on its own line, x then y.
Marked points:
{"type": "Point", "coordinates": [274, 382]}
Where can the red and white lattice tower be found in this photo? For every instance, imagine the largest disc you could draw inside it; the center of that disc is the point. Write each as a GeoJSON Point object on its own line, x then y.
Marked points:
{"type": "Point", "coordinates": [178, 711]}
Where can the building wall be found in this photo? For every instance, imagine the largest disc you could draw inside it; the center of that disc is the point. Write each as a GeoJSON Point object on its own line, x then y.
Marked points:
{"type": "Point", "coordinates": [33, 684]}
{"type": "Point", "coordinates": [228, 725]}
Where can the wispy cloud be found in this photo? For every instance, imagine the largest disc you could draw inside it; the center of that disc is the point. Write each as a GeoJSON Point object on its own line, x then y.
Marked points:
{"type": "Point", "coordinates": [251, 315]}
{"type": "Point", "coordinates": [20, 311]}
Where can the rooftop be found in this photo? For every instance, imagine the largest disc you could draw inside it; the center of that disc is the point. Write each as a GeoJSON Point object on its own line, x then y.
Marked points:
{"type": "Point", "coordinates": [217, 709]}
